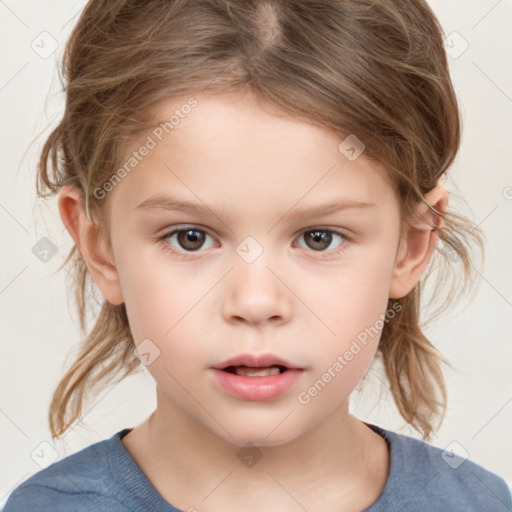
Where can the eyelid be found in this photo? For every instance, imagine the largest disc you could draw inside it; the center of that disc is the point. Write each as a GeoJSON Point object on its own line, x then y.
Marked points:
{"type": "Point", "coordinates": [344, 245]}
{"type": "Point", "coordinates": [319, 227]}
{"type": "Point", "coordinates": [347, 239]}
{"type": "Point", "coordinates": [167, 233]}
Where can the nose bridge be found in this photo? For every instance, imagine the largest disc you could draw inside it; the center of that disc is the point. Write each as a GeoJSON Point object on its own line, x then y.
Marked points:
{"type": "Point", "coordinates": [255, 293]}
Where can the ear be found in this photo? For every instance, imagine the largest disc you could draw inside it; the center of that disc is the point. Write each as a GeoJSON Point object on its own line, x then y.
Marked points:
{"type": "Point", "coordinates": [91, 244]}
{"type": "Point", "coordinates": [417, 246]}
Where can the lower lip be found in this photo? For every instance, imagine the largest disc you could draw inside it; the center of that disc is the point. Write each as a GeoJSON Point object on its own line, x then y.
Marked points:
{"type": "Point", "coordinates": [261, 389]}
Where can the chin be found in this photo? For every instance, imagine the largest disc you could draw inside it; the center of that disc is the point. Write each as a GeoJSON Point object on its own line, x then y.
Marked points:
{"type": "Point", "coordinates": [259, 441]}
{"type": "Point", "coordinates": [255, 435]}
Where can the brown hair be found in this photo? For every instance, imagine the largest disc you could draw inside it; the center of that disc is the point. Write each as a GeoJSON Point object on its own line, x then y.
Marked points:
{"type": "Point", "coordinates": [377, 69]}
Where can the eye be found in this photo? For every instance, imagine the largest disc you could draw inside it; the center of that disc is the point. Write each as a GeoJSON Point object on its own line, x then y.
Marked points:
{"type": "Point", "coordinates": [319, 239]}
{"type": "Point", "coordinates": [191, 239]}
{"type": "Point", "coordinates": [188, 239]}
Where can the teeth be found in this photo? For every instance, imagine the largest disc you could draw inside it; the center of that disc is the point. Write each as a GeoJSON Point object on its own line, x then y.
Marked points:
{"type": "Point", "coordinates": [256, 372]}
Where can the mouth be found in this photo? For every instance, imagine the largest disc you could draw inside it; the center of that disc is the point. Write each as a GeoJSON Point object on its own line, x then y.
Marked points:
{"type": "Point", "coordinates": [256, 378]}
{"type": "Point", "coordinates": [256, 365]}
{"type": "Point", "coordinates": [248, 371]}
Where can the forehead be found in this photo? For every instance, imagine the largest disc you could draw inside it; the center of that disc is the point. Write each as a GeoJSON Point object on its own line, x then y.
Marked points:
{"type": "Point", "coordinates": [242, 151]}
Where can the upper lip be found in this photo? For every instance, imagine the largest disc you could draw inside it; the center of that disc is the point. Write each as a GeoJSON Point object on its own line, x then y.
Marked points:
{"type": "Point", "coordinates": [255, 361]}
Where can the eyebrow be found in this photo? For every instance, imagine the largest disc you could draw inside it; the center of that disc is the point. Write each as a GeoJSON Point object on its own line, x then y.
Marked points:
{"type": "Point", "coordinates": [165, 203]}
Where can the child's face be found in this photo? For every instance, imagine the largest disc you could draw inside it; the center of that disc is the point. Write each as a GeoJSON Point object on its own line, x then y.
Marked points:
{"type": "Point", "coordinates": [253, 280]}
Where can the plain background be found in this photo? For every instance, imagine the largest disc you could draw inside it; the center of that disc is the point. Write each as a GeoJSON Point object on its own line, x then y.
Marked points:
{"type": "Point", "coordinates": [39, 323]}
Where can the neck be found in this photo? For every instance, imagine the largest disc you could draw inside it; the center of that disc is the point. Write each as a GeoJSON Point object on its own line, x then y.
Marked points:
{"type": "Point", "coordinates": [184, 459]}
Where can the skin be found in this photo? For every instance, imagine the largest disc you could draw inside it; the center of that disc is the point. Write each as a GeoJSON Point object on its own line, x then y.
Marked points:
{"type": "Point", "coordinates": [254, 168]}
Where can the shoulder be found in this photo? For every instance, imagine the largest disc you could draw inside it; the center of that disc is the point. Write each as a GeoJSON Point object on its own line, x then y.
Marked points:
{"type": "Point", "coordinates": [427, 477]}
{"type": "Point", "coordinates": [80, 482]}
{"type": "Point", "coordinates": [456, 480]}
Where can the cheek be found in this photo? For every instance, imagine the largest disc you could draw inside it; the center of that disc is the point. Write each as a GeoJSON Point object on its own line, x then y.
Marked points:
{"type": "Point", "coordinates": [357, 319]}
{"type": "Point", "coordinates": [350, 299]}
{"type": "Point", "coordinates": [165, 305]}
{"type": "Point", "coordinates": [157, 293]}
{"type": "Point", "coordinates": [352, 309]}
{"type": "Point", "coordinates": [165, 333]}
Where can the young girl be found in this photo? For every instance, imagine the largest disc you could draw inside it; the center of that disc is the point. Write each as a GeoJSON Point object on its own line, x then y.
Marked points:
{"type": "Point", "coordinates": [255, 188]}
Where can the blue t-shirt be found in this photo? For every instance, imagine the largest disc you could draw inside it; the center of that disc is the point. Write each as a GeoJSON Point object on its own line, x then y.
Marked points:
{"type": "Point", "coordinates": [104, 477]}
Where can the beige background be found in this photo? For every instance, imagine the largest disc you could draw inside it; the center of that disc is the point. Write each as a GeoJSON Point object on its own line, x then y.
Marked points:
{"type": "Point", "coordinates": [39, 330]}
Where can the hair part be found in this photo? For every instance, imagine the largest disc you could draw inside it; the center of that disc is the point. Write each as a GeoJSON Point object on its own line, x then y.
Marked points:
{"type": "Point", "coordinates": [374, 69]}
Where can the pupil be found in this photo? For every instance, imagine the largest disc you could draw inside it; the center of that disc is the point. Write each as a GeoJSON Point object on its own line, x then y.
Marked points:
{"type": "Point", "coordinates": [191, 239]}
{"type": "Point", "coordinates": [320, 239]}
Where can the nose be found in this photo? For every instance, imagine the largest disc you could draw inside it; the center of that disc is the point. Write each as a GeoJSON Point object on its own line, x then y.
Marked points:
{"type": "Point", "coordinates": [256, 293]}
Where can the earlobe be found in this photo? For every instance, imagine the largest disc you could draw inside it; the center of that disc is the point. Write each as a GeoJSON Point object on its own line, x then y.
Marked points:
{"type": "Point", "coordinates": [91, 244]}
{"type": "Point", "coordinates": [417, 246]}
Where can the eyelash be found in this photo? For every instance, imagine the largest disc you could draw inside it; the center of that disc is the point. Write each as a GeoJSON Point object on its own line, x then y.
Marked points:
{"type": "Point", "coordinates": [347, 241]}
